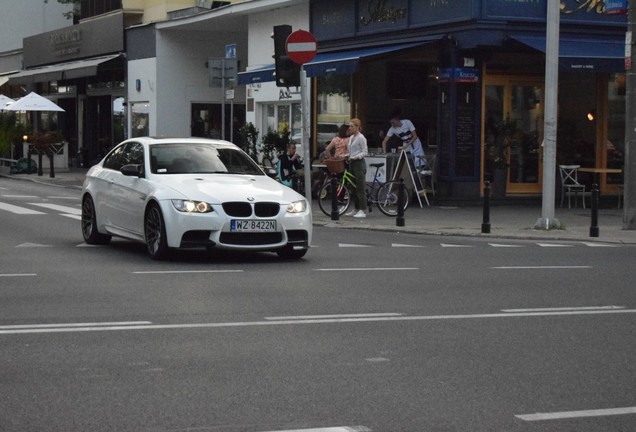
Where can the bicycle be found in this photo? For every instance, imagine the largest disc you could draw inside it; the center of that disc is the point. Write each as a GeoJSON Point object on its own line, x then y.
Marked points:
{"type": "Point", "coordinates": [383, 194]}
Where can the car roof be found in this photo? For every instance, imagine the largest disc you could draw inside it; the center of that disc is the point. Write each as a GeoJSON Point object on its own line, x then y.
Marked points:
{"type": "Point", "coordinates": [180, 140]}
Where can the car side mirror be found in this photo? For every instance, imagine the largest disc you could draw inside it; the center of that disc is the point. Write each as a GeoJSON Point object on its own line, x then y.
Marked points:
{"type": "Point", "coordinates": [132, 170]}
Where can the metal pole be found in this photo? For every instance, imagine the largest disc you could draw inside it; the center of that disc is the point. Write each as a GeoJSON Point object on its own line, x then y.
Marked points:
{"type": "Point", "coordinates": [485, 225]}
{"type": "Point", "coordinates": [223, 104]}
{"type": "Point", "coordinates": [333, 187]}
{"type": "Point", "coordinates": [629, 175]}
{"type": "Point", "coordinates": [400, 203]}
{"type": "Point", "coordinates": [304, 111]}
{"type": "Point", "coordinates": [547, 219]}
{"type": "Point", "coordinates": [594, 231]}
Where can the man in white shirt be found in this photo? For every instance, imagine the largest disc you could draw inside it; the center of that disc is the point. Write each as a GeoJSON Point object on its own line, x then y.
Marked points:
{"type": "Point", "coordinates": [405, 130]}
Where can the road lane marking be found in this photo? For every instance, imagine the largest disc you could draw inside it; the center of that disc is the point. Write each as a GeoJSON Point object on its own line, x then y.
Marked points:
{"type": "Point", "coordinates": [451, 245]}
{"type": "Point", "coordinates": [31, 245]}
{"type": "Point", "coordinates": [59, 208]}
{"type": "Point", "coordinates": [592, 244]}
{"type": "Point", "coordinates": [303, 317]}
{"type": "Point", "coordinates": [17, 274]}
{"type": "Point", "coordinates": [330, 429]}
{"type": "Point", "coordinates": [502, 245]}
{"type": "Point", "coordinates": [70, 325]}
{"type": "Point", "coordinates": [264, 323]}
{"type": "Point", "coordinates": [577, 414]}
{"type": "Point", "coordinates": [540, 267]}
{"type": "Point", "coordinates": [367, 269]}
{"type": "Point", "coordinates": [352, 245]}
{"type": "Point", "coordinates": [19, 210]}
{"type": "Point", "coordinates": [19, 196]}
{"type": "Point", "coordinates": [554, 245]}
{"type": "Point", "coordinates": [186, 271]}
{"type": "Point", "coordinates": [560, 309]}
{"type": "Point", "coordinates": [401, 245]}
{"type": "Point", "coordinates": [63, 198]}
{"type": "Point", "coordinates": [72, 216]}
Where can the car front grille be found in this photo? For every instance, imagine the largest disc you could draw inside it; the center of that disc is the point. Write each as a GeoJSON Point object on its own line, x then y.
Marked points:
{"type": "Point", "coordinates": [266, 209]}
{"type": "Point", "coordinates": [237, 209]}
{"type": "Point", "coordinates": [243, 209]}
{"type": "Point", "coordinates": [251, 239]}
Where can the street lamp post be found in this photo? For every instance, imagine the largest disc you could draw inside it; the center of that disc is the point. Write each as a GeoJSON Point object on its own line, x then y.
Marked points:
{"type": "Point", "coordinates": [629, 183]}
{"type": "Point", "coordinates": [547, 219]}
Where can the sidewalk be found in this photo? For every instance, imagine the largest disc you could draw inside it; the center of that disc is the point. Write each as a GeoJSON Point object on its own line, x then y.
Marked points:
{"type": "Point", "coordinates": [507, 221]}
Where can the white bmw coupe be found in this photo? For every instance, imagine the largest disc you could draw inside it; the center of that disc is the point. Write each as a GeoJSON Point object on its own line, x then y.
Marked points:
{"type": "Point", "coordinates": [191, 193]}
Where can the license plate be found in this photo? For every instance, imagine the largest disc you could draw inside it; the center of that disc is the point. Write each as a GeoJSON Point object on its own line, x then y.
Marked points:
{"type": "Point", "coordinates": [238, 225]}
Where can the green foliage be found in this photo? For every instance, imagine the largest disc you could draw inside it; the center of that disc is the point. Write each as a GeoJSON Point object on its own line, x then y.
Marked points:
{"type": "Point", "coordinates": [274, 143]}
{"type": "Point", "coordinates": [72, 14]}
{"type": "Point", "coordinates": [249, 140]}
{"type": "Point", "coordinates": [10, 132]}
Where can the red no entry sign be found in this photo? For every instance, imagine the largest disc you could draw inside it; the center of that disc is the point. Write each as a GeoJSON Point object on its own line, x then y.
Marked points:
{"type": "Point", "coordinates": [301, 47]}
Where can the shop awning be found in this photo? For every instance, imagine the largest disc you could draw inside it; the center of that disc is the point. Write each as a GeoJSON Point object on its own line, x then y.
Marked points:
{"type": "Point", "coordinates": [340, 62]}
{"type": "Point", "coordinates": [600, 54]}
{"type": "Point", "coordinates": [60, 71]}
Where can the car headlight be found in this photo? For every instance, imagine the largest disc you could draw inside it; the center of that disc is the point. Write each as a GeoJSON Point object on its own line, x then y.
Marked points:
{"type": "Point", "coordinates": [190, 206]}
{"type": "Point", "coordinates": [297, 206]}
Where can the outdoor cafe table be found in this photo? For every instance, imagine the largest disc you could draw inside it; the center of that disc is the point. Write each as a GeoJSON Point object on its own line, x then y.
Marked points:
{"type": "Point", "coordinates": [598, 171]}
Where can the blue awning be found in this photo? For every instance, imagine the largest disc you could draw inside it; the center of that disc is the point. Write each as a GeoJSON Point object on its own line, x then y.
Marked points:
{"type": "Point", "coordinates": [341, 62]}
{"type": "Point", "coordinates": [594, 54]}
{"type": "Point", "coordinates": [258, 75]}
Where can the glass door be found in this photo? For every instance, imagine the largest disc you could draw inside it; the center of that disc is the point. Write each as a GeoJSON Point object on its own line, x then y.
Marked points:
{"type": "Point", "coordinates": [513, 131]}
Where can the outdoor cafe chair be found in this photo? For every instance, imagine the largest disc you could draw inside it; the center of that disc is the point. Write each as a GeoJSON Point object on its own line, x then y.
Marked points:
{"type": "Point", "coordinates": [570, 184]}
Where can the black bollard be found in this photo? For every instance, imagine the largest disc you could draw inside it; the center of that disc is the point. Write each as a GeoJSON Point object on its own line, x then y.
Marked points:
{"type": "Point", "coordinates": [51, 155]}
{"type": "Point", "coordinates": [594, 231]}
{"type": "Point", "coordinates": [335, 214]}
{"type": "Point", "coordinates": [485, 225]}
{"type": "Point", "coordinates": [40, 163]}
{"type": "Point", "coordinates": [400, 203]}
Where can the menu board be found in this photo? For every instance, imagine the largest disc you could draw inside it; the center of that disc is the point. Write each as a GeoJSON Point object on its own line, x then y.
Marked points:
{"type": "Point", "coordinates": [444, 144]}
{"type": "Point", "coordinates": [465, 131]}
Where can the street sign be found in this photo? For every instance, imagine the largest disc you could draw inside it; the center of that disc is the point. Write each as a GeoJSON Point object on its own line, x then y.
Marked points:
{"type": "Point", "coordinates": [230, 51]}
{"type": "Point", "coordinates": [301, 47]}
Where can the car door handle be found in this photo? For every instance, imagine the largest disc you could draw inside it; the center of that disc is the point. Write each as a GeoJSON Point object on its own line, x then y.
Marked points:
{"type": "Point", "coordinates": [111, 181]}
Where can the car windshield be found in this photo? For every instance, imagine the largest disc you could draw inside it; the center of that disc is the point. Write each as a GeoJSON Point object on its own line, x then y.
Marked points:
{"type": "Point", "coordinates": [200, 158]}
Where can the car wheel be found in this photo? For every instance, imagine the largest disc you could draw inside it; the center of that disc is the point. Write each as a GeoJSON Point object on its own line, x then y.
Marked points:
{"type": "Point", "coordinates": [89, 224]}
{"type": "Point", "coordinates": [155, 233]}
{"type": "Point", "coordinates": [289, 253]}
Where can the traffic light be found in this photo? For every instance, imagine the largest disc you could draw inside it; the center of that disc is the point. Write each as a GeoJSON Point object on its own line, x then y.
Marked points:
{"type": "Point", "coordinates": [287, 72]}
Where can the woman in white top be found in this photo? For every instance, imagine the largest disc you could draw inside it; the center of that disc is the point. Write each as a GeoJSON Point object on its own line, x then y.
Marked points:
{"type": "Point", "coordinates": [357, 151]}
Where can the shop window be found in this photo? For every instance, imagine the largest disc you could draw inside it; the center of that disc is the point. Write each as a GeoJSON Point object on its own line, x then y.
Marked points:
{"type": "Point", "coordinates": [140, 115]}
{"type": "Point", "coordinates": [406, 80]}
{"type": "Point", "coordinates": [333, 105]}
{"type": "Point", "coordinates": [119, 125]}
{"type": "Point", "coordinates": [614, 147]}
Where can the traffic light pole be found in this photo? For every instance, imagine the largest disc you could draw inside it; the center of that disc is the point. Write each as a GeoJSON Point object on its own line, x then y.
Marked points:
{"type": "Point", "coordinates": [304, 111]}
{"type": "Point", "coordinates": [629, 182]}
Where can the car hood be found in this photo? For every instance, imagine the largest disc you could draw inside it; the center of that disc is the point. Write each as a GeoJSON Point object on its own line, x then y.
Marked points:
{"type": "Point", "coordinates": [219, 188]}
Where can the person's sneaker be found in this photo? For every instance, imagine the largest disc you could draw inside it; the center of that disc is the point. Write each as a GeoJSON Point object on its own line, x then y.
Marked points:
{"type": "Point", "coordinates": [351, 212]}
{"type": "Point", "coordinates": [360, 214]}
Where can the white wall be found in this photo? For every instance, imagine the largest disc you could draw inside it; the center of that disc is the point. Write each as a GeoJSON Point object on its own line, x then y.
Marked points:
{"type": "Point", "coordinates": [24, 18]}
{"type": "Point", "coordinates": [182, 77]}
{"type": "Point", "coordinates": [144, 70]}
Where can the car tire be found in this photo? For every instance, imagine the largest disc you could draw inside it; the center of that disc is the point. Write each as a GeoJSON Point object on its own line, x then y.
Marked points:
{"type": "Point", "coordinates": [155, 233]}
{"type": "Point", "coordinates": [289, 253]}
{"type": "Point", "coordinates": [89, 224]}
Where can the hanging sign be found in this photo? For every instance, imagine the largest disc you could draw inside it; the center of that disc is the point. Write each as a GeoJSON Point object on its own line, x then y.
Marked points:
{"type": "Point", "coordinates": [615, 7]}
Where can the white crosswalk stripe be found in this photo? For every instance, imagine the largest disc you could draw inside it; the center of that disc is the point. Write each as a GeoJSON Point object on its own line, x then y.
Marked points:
{"type": "Point", "coordinates": [19, 210]}
{"type": "Point", "coordinates": [59, 208]}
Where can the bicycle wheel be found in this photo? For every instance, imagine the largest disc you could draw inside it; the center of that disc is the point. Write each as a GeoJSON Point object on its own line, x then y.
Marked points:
{"type": "Point", "coordinates": [324, 199]}
{"type": "Point", "coordinates": [387, 198]}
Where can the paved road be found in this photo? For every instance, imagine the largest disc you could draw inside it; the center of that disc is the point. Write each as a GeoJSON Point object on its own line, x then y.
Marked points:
{"type": "Point", "coordinates": [372, 331]}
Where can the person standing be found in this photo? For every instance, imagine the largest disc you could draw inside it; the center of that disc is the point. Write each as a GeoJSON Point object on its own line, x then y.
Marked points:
{"type": "Point", "coordinates": [339, 143]}
{"type": "Point", "coordinates": [405, 130]}
{"type": "Point", "coordinates": [357, 151]}
{"type": "Point", "coordinates": [288, 164]}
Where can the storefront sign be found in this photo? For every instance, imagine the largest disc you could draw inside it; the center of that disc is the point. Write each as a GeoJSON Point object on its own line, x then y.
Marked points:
{"type": "Point", "coordinates": [382, 11]}
{"type": "Point", "coordinates": [459, 75]}
{"type": "Point", "coordinates": [615, 7]}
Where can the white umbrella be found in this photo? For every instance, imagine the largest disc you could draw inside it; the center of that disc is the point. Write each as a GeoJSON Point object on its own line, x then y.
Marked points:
{"type": "Point", "coordinates": [33, 102]}
{"type": "Point", "coordinates": [4, 101]}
